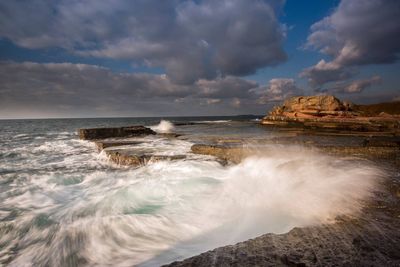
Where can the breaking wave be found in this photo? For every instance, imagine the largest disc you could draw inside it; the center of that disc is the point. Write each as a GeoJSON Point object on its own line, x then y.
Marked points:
{"type": "Point", "coordinates": [165, 211]}
{"type": "Point", "coordinates": [163, 127]}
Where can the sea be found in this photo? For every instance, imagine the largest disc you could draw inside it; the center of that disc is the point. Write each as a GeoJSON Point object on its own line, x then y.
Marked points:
{"type": "Point", "coordinates": [62, 203]}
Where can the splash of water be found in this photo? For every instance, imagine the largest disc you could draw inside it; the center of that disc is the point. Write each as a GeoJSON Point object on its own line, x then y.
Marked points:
{"type": "Point", "coordinates": [163, 127]}
{"type": "Point", "coordinates": [171, 210]}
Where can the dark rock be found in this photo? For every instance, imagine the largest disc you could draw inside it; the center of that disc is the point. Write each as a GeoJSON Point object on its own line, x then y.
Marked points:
{"type": "Point", "coordinates": [102, 133]}
{"type": "Point", "coordinates": [363, 242]}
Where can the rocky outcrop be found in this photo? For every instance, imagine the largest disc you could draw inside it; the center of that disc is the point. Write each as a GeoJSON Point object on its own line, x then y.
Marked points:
{"type": "Point", "coordinates": [102, 133]}
{"type": "Point", "coordinates": [313, 106]}
{"type": "Point", "coordinates": [329, 113]}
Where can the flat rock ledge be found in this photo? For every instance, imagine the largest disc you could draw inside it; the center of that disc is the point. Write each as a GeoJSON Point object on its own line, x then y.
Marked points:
{"type": "Point", "coordinates": [122, 151]}
{"type": "Point", "coordinates": [112, 132]}
{"type": "Point", "coordinates": [371, 149]}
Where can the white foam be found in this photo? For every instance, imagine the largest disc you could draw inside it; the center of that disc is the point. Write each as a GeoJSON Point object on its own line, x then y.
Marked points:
{"type": "Point", "coordinates": [163, 127]}
{"type": "Point", "coordinates": [174, 209]}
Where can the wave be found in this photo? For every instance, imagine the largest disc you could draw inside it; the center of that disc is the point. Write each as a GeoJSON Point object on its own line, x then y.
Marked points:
{"type": "Point", "coordinates": [175, 209]}
{"type": "Point", "coordinates": [163, 127]}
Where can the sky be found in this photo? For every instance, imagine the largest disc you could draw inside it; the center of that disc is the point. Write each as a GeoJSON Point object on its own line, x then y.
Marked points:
{"type": "Point", "coordinates": [88, 58]}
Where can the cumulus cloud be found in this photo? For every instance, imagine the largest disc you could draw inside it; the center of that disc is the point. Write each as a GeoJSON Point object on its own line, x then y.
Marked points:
{"type": "Point", "coordinates": [358, 32]}
{"type": "Point", "coordinates": [90, 89]}
{"type": "Point", "coordinates": [279, 89]}
{"type": "Point", "coordinates": [191, 40]}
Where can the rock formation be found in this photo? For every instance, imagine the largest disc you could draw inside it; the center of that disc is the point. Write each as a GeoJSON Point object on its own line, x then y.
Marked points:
{"type": "Point", "coordinates": [314, 106]}
{"type": "Point", "coordinates": [328, 112]}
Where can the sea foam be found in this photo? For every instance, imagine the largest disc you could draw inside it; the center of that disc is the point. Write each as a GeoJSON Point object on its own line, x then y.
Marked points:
{"type": "Point", "coordinates": [163, 127]}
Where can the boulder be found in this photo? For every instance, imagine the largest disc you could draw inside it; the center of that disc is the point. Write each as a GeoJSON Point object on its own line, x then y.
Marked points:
{"type": "Point", "coordinates": [102, 133]}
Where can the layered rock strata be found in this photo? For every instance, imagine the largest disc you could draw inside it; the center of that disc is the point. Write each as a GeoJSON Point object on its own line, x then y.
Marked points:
{"type": "Point", "coordinates": [329, 113]}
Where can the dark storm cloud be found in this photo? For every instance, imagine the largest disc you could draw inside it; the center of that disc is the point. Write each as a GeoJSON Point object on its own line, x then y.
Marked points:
{"type": "Point", "coordinates": [192, 40]}
{"type": "Point", "coordinates": [279, 89]}
{"type": "Point", "coordinates": [358, 32]}
{"type": "Point", "coordinates": [73, 87]}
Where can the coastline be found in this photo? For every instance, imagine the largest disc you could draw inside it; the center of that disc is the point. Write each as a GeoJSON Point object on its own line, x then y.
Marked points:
{"type": "Point", "coordinates": [370, 237]}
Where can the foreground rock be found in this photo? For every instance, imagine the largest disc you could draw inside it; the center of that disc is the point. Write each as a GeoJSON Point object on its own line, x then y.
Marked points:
{"type": "Point", "coordinates": [329, 113]}
{"type": "Point", "coordinates": [112, 132]}
{"type": "Point", "coordinates": [358, 242]}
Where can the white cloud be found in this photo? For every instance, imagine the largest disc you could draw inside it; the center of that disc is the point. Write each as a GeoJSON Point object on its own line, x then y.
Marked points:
{"type": "Point", "coordinates": [358, 32]}
{"type": "Point", "coordinates": [279, 89]}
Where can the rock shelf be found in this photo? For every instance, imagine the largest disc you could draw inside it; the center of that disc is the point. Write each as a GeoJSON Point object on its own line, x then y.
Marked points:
{"type": "Point", "coordinates": [112, 132]}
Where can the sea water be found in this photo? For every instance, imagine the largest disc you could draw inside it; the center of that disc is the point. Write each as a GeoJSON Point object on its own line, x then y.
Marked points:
{"type": "Point", "coordinates": [64, 204]}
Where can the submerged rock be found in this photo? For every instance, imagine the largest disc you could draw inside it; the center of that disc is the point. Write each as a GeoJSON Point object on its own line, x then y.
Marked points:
{"type": "Point", "coordinates": [114, 143]}
{"type": "Point", "coordinates": [128, 158]}
{"type": "Point", "coordinates": [102, 133]}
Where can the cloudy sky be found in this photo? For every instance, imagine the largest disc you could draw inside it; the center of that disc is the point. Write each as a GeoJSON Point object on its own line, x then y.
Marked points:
{"type": "Point", "coordinates": [89, 58]}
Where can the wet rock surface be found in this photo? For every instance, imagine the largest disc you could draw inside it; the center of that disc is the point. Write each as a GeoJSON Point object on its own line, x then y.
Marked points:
{"type": "Point", "coordinates": [102, 133]}
{"type": "Point", "coordinates": [363, 241]}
